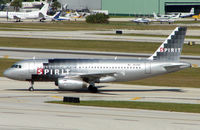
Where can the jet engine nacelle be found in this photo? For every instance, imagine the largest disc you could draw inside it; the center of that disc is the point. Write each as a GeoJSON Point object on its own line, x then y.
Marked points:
{"type": "Point", "coordinates": [71, 84]}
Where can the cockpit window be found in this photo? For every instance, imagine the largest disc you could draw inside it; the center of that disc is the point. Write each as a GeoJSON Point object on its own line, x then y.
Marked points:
{"type": "Point", "coordinates": [16, 66]}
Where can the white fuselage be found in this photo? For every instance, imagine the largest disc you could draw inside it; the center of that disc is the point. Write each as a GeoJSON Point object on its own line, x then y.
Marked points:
{"type": "Point", "coordinates": [21, 15]}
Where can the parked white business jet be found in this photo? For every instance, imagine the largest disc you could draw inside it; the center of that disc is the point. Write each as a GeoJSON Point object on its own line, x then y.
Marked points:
{"type": "Point", "coordinates": [18, 16]}
{"type": "Point", "coordinates": [172, 16]}
{"type": "Point", "coordinates": [142, 20]}
{"type": "Point", "coordinates": [163, 19]}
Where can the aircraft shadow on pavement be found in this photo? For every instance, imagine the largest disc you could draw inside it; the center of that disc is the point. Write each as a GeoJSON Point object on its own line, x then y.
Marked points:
{"type": "Point", "coordinates": [101, 90]}
{"type": "Point", "coordinates": [141, 90]}
{"type": "Point", "coordinates": [60, 91]}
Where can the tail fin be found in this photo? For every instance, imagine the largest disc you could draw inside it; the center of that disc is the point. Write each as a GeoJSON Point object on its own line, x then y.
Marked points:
{"type": "Point", "coordinates": [155, 16]}
{"type": "Point", "coordinates": [178, 15]}
{"type": "Point", "coordinates": [57, 15]}
{"type": "Point", "coordinates": [171, 48]}
{"type": "Point", "coordinates": [192, 11]}
{"type": "Point", "coordinates": [44, 9]}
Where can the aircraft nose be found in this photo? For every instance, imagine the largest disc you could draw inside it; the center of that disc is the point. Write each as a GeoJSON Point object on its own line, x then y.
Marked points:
{"type": "Point", "coordinates": [7, 73]}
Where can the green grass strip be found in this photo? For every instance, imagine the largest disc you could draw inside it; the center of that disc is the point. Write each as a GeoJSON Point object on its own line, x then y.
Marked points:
{"type": "Point", "coordinates": [184, 78]}
{"type": "Point", "coordinates": [77, 25]}
{"type": "Point", "coordinates": [146, 35]}
{"type": "Point", "coordinates": [175, 107]}
{"type": "Point", "coordinates": [90, 45]}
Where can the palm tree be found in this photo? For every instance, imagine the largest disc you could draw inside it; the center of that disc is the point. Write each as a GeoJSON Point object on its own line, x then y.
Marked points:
{"type": "Point", "coordinates": [55, 5]}
{"type": "Point", "coordinates": [4, 1]}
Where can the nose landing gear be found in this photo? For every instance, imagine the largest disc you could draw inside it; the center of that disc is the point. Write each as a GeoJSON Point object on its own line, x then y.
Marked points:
{"type": "Point", "coordinates": [31, 88]}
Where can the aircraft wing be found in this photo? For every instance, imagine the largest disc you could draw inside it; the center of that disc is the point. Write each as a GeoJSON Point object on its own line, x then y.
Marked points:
{"type": "Point", "coordinates": [171, 68]}
{"type": "Point", "coordinates": [97, 75]}
{"type": "Point", "coordinates": [18, 17]}
{"type": "Point", "coordinates": [93, 76]}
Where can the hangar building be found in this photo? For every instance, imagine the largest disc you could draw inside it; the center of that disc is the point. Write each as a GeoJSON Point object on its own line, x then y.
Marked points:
{"type": "Point", "coordinates": [83, 4]}
{"type": "Point", "coordinates": [147, 7]}
{"type": "Point", "coordinates": [135, 7]}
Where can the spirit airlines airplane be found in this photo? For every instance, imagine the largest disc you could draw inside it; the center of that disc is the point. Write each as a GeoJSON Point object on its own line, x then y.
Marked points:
{"type": "Point", "coordinates": [25, 15]}
{"type": "Point", "coordinates": [73, 74]}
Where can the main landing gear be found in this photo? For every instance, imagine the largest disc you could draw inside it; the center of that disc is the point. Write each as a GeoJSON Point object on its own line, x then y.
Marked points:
{"type": "Point", "coordinates": [92, 89]}
{"type": "Point", "coordinates": [18, 20]}
{"type": "Point", "coordinates": [31, 88]}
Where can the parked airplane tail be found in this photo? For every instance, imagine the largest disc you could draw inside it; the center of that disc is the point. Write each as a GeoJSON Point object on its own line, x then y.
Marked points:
{"type": "Point", "coordinates": [192, 11]}
{"type": "Point", "coordinates": [178, 15]}
{"type": "Point", "coordinates": [171, 48]}
{"type": "Point", "coordinates": [44, 9]}
{"type": "Point", "coordinates": [57, 15]}
{"type": "Point", "coordinates": [155, 16]}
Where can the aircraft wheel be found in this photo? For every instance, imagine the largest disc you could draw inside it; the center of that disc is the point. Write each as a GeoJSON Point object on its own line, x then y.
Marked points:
{"type": "Point", "coordinates": [31, 89]}
{"type": "Point", "coordinates": [92, 89]}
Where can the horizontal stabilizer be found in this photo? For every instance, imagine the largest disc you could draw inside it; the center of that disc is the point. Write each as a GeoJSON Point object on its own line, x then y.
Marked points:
{"type": "Point", "coordinates": [176, 66]}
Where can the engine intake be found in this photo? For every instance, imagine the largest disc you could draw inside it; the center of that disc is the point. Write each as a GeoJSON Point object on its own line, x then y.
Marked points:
{"type": "Point", "coordinates": [71, 84]}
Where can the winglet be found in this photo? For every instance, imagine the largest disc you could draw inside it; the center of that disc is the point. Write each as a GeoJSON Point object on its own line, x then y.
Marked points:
{"type": "Point", "coordinates": [171, 48]}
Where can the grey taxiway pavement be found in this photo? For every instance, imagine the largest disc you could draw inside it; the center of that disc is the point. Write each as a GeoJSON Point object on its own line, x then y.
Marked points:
{"type": "Point", "coordinates": [88, 35]}
{"type": "Point", "coordinates": [24, 110]}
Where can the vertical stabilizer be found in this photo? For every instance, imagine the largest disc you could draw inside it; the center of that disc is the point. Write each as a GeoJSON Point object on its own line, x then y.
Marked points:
{"type": "Point", "coordinates": [155, 16]}
{"type": "Point", "coordinates": [171, 48]}
{"type": "Point", "coordinates": [192, 11]}
{"type": "Point", "coordinates": [44, 9]}
{"type": "Point", "coordinates": [57, 15]}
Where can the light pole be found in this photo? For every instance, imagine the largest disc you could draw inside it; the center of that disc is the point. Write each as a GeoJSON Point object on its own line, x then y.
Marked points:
{"type": "Point", "coordinates": [158, 6]}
